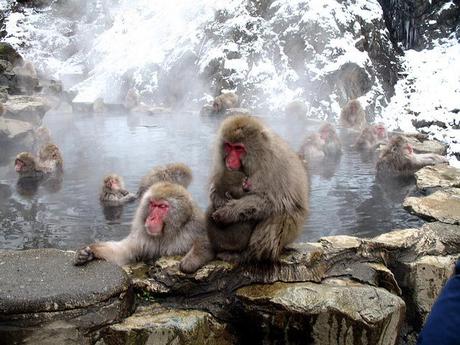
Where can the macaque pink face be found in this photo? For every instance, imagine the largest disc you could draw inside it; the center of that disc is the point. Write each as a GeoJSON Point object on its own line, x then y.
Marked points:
{"type": "Point", "coordinates": [380, 131]}
{"type": "Point", "coordinates": [216, 107]}
{"type": "Point", "coordinates": [113, 184]}
{"type": "Point", "coordinates": [234, 152]}
{"type": "Point", "coordinates": [19, 165]}
{"type": "Point", "coordinates": [324, 134]}
{"type": "Point", "coordinates": [154, 224]}
{"type": "Point", "coordinates": [409, 149]}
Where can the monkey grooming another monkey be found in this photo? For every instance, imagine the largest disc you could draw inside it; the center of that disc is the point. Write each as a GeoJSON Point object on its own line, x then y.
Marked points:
{"type": "Point", "coordinates": [175, 173]}
{"type": "Point", "coordinates": [277, 204]}
{"type": "Point", "coordinates": [224, 102]}
{"type": "Point", "coordinates": [399, 159]}
{"type": "Point", "coordinates": [113, 191]}
{"type": "Point", "coordinates": [353, 115]}
{"type": "Point", "coordinates": [167, 222]}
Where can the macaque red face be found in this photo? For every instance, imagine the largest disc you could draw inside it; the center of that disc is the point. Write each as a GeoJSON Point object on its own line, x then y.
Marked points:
{"type": "Point", "coordinates": [19, 165]}
{"type": "Point", "coordinates": [216, 106]}
{"type": "Point", "coordinates": [408, 149]}
{"type": "Point", "coordinates": [234, 152]}
{"type": "Point", "coordinates": [324, 133]}
{"type": "Point", "coordinates": [154, 224]}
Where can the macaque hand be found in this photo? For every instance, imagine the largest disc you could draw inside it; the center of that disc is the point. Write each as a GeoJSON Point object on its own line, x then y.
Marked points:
{"type": "Point", "coordinates": [83, 256]}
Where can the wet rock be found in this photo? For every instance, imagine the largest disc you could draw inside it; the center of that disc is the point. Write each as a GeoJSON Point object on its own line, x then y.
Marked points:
{"type": "Point", "coordinates": [160, 326]}
{"type": "Point", "coordinates": [13, 132]}
{"type": "Point", "coordinates": [442, 205]}
{"type": "Point", "coordinates": [335, 312]}
{"type": "Point", "coordinates": [42, 295]}
{"type": "Point", "coordinates": [427, 146]}
{"type": "Point", "coordinates": [235, 111]}
{"type": "Point", "coordinates": [438, 176]}
{"type": "Point", "coordinates": [26, 108]}
{"type": "Point", "coordinates": [5, 66]}
{"type": "Point", "coordinates": [8, 53]}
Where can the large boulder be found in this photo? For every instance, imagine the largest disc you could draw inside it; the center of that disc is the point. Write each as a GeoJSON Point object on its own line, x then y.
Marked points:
{"type": "Point", "coordinates": [13, 132]}
{"type": "Point", "coordinates": [45, 299]}
{"type": "Point", "coordinates": [331, 313]}
{"type": "Point", "coordinates": [438, 176]}
{"type": "Point", "coordinates": [26, 108]}
{"type": "Point", "coordinates": [164, 326]}
{"type": "Point", "coordinates": [8, 53]}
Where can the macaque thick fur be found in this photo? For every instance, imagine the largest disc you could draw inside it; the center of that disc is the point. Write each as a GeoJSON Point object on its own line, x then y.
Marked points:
{"type": "Point", "coordinates": [399, 159]}
{"type": "Point", "coordinates": [225, 101]}
{"type": "Point", "coordinates": [353, 115]}
{"type": "Point", "coordinates": [175, 173]}
{"type": "Point", "coordinates": [167, 222]}
{"type": "Point", "coordinates": [113, 191]}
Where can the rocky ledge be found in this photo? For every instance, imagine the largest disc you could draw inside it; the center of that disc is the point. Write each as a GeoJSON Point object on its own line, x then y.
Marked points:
{"type": "Point", "coordinates": [340, 290]}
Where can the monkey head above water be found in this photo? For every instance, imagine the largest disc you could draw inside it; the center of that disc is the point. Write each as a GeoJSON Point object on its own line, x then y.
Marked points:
{"type": "Point", "coordinates": [26, 165]}
{"type": "Point", "coordinates": [167, 222]}
{"type": "Point", "coordinates": [276, 205]}
{"type": "Point", "coordinates": [113, 191]}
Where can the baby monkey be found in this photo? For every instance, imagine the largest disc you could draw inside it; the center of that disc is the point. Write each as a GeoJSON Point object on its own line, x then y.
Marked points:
{"type": "Point", "coordinates": [113, 191]}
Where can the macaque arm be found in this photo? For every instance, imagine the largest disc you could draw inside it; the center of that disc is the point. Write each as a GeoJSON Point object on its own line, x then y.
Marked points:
{"type": "Point", "coordinates": [215, 198]}
{"type": "Point", "coordinates": [200, 254]}
{"type": "Point", "coordinates": [429, 159]}
{"type": "Point", "coordinates": [128, 197]}
{"type": "Point", "coordinates": [119, 252]}
{"type": "Point", "coordinates": [250, 207]}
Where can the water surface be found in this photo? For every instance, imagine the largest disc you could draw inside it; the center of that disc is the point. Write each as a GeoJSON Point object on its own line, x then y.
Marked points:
{"type": "Point", "coordinates": [344, 196]}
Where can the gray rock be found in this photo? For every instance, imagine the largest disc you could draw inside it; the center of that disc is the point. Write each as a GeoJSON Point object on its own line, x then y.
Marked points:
{"type": "Point", "coordinates": [8, 53]}
{"type": "Point", "coordinates": [26, 108]}
{"type": "Point", "coordinates": [442, 205]}
{"type": "Point", "coordinates": [15, 132]}
{"type": "Point", "coordinates": [160, 326]}
{"type": "Point", "coordinates": [335, 312]}
{"type": "Point", "coordinates": [438, 176]}
{"type": "Point", "coordinates": [427, 146]}
{"type": "Point", "coordinates": [42, 293]}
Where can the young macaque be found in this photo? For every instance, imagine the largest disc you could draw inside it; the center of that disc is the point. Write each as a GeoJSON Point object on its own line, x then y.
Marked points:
{"type": "Point", "coordinates": [167, 222]}
{"type": "Point", "coordinates": [312, 148]}
{"type": "Point", "coordinates": [399, 159]}
{"type": "Point", "coordinates": [353, 115]}
{"type": "Point", "coordinates": [227, 239]}
{"type": "Point", "coordinates": [277, 204]}
{"type": "Point", "coordinates": [332, 146]}
{"type": "Point", "coordinates": [26, 166]}
{"type": "Point", "coordinates": [50, 159]}
{"type": "Point", "coordinates": [372, 137]}
{"type": "Point", "coordinates": [175, 173]}
{"type": "Point", "coordinates": [224, 102]}
{"type": "Point", "coordinates": [114, 193]}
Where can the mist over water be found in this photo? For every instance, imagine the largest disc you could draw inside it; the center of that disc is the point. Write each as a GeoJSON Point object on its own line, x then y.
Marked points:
{"type": "Point", "coordinates": [344, 198]}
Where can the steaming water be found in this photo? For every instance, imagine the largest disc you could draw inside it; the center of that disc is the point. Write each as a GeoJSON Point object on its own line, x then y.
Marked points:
{"type": "Point", "coordinates": [344, 197]}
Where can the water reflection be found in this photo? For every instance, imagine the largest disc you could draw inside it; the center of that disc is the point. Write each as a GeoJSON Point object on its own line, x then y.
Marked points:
{"type": "Point", "coordinates": [344, 197]}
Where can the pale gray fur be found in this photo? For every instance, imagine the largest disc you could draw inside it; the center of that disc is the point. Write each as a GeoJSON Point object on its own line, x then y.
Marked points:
{"type": "Point", "coordinates": [175, 173]}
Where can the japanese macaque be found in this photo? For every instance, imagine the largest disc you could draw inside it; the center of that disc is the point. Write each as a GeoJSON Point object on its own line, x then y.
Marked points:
{"type": "Point", "coordinates": [312, 148]}
{"type": "Point", "coordinates": [353, 115]}
{"type": "Point", "coordinates": [332, 146]}
{"type": "Point", "coordinates": [228, 238]}
{"type": "Point", "coordinates": [167, 222]}
{"type": "Point", "coordinates": [27, 166]}
{"type": "Point", "coordinates": [371, 137]}
{"type": "Point", "coordinates": [50, 159]}
{"type": "Point", "coordinates": [175, 173]}
{"type": "Point", "coordinates": [131, 99]}
{"type": "Point", "coordinates": [277, 204]}
{"type": "Point", "coordinates": [224, 102]}
{"type": "Point", "coordinates": [2, 109]}
{"type": "Point", "coordinates": [399, 159]}
{"type": "Point", "coordinates": [296, 109]}
{"type": "Point", "coordinates": [113, 191]}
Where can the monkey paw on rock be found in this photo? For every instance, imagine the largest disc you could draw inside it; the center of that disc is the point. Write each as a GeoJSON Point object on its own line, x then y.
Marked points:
{"type": "Point", "coordinates": [83, 256]}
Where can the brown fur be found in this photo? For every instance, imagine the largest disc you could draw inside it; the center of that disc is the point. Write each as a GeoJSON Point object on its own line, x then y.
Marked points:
{"type": "Point", "coordinates": [115, 197]}
{"type": "Point", "coordinates": [31, 168]}
{"type": "Point", "coordinates": [368, 139]}
{"type": "Point", "coordinates": [50, 159]}
{"type": "Point", "coordinates": [278, 202]}
{"type": "Point", "coordinates": [396, 160]}
{"type": "Point", "coordinates": [353, 115]}
{"type": "Point", "coordinates": [183, 226]}
{"type": "Point", "coordinates": [312, 148]}
{"type": "Point", "coordinates": [224, 102]}
{"type": "Point", "coordinates": [332, 145]}
{"type": "Point", "coordinates": [175, 173]}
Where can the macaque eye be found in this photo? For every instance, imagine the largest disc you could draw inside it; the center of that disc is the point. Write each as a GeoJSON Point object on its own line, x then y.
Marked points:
{"type": "Point", "coordinates": [239, 148]}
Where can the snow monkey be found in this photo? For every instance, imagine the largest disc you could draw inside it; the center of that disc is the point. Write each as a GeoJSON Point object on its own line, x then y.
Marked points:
{"type": "Point", "coordinates": [332, 145]}
{"type": "Point", "coordinates": [399, 159]}
{"type": "Point", "coordinates": [277, 202]}
{"type": "Point", "coordinates": [167, 222]}
{"type": "Point", "coordinates": [27, 166]}
{"type": "Point", "coordinates": [353, 115]}
{"type": "Point", "coordinates": [175, 173]}
{"type": "Point", "coordinates": [224, 102]}
{"type": "Point", "coordinates": [50, 159]}
{"type": "Point", "coordinates": [312, 148]}
{"type": "Point", "coordinates": [113, 191]}
{"type": "Point", "coordinates": [371, 137]}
